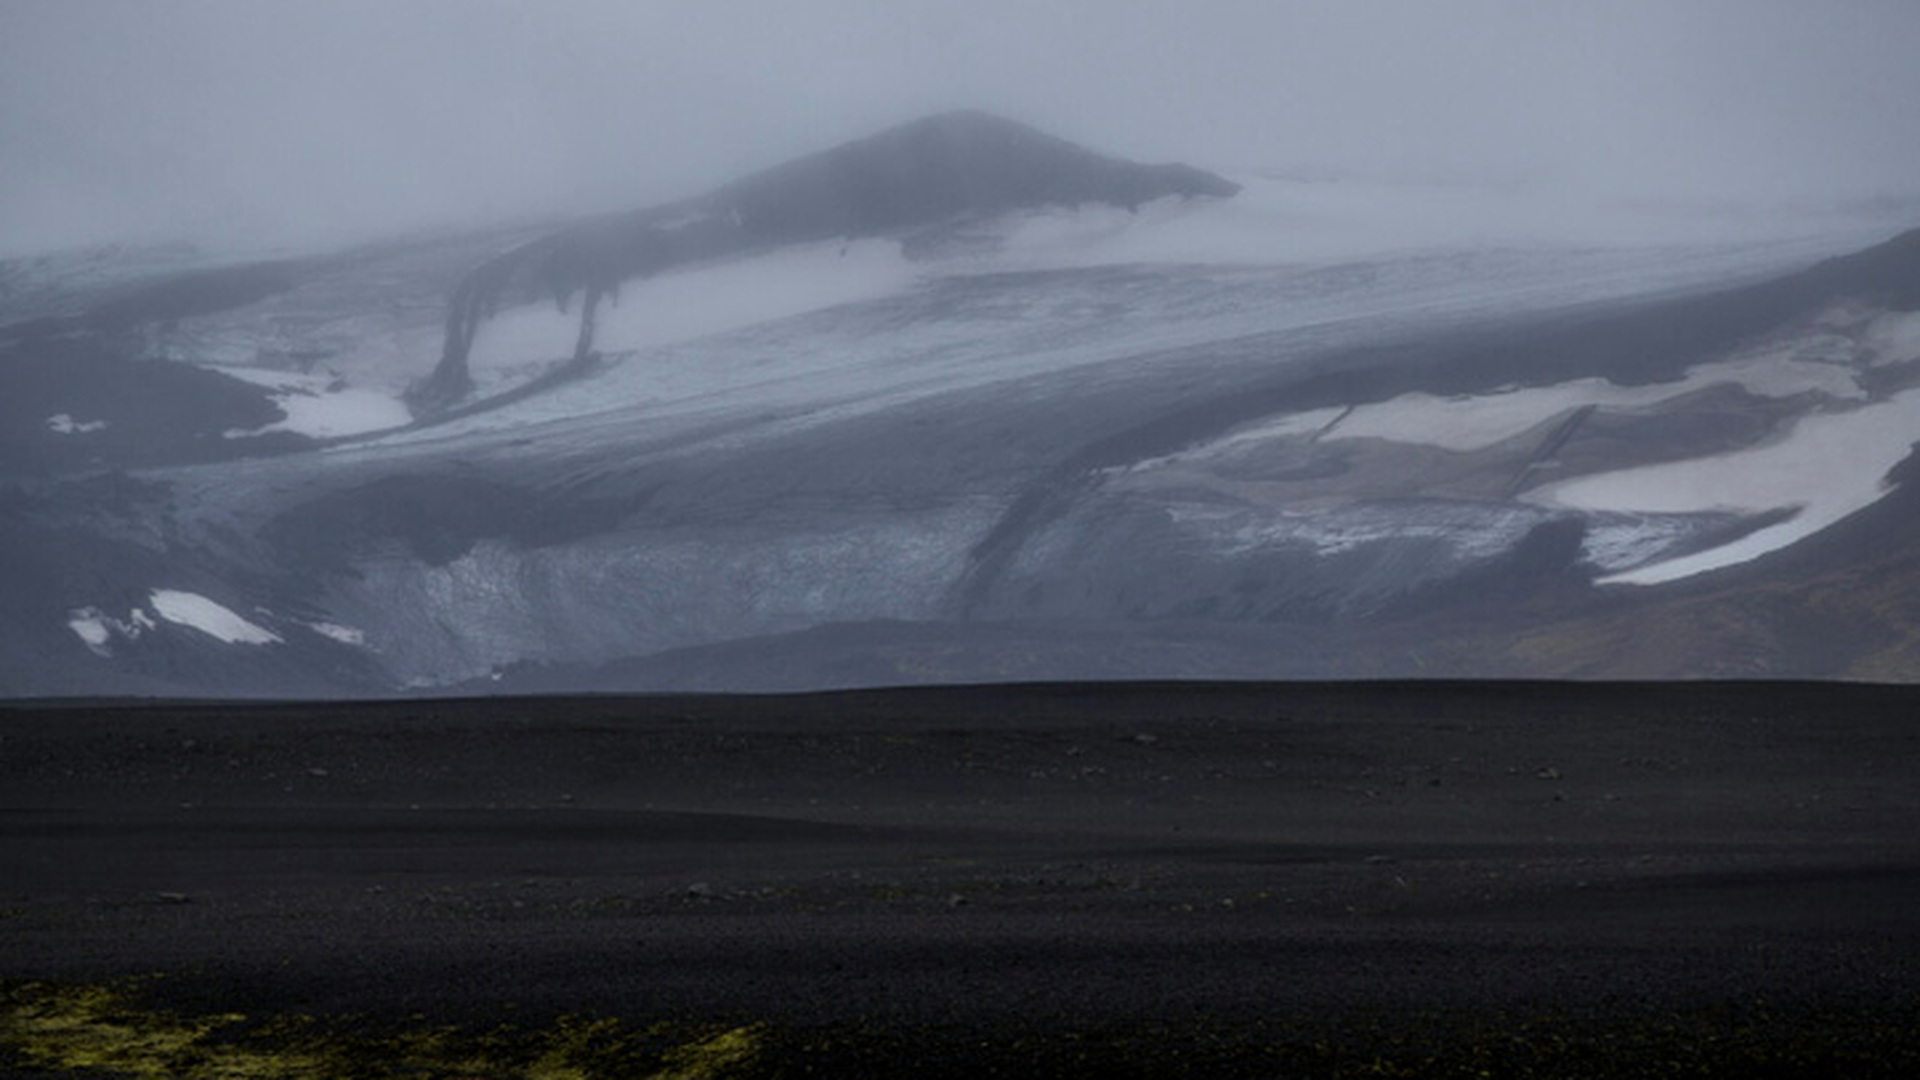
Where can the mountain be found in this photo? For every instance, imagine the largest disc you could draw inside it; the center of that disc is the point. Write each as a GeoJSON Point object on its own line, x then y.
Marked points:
{"type": "Point", "coordinates": [956, 402]}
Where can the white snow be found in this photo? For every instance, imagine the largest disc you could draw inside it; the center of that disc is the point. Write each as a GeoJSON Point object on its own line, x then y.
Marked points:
{"type": "Point", "coordinates": [91, 625]}
{"type": "Point", "coordinates": [322, 406]}
{"type": "Point", "coordinates": [1469, 422]}
{"type": "Point", "coordinates": [957, 330]}
{"type": "Point", "coordinates": [97, 628]}
{"type": "Point", "coordinates": [346, 635]}
{"type": "Point", "coordinates": [64, 424]}
{"type": "Point", "coordinates": [1829, 466]}
{"type": "Point", "coordinates": [334, 413]}
{"type": "Point", "coordinates": [1292, 425]}
{"type": "Point", "coordinates": [196, 611]}
{"type": "Point", "coordinates": [1780, 369]}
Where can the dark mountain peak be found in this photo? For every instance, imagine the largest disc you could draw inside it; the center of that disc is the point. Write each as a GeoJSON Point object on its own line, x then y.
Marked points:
{"type": "Point", "coordinates": [944, 165]}
{"type": "Point", "coordinates": [924, 173]}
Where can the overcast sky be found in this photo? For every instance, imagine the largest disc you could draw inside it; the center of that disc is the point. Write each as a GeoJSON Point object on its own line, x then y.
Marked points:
{"type": "Point", "coordinates": [298, 121]}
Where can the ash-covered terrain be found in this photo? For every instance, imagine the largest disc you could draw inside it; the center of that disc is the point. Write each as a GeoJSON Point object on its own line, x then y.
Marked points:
{"type": "Point", "coordinates": [1229, 880]}
{"type": "Point", "coordinates": [962, 402]}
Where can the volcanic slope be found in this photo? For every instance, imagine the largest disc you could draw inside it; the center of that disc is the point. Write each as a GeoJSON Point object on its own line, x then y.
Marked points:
{"type": "Point", "coordinates": [957, 402]}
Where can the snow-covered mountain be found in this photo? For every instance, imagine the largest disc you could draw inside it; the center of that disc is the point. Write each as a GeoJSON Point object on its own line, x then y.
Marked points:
{"type": "Point", "coordinates": [963, 401]}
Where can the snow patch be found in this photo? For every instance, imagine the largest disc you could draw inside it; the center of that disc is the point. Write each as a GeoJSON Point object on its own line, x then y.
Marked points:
{"type": "Point", "coordinates": [91, 625]}
{"type": "Point", "coordinates": [1291, 425]}
{"type": "Point", "coordinates": [322, 406]}
{"type": "Point", "coordinates": [64, 424]}
{"type": "Point", "coordinates": [345, 635]}
{"type": "Point", "coordinates": [1828, 466]}
{"type": "Point", "coordinates": [199, 613]}
{"type": "Point", "coordinates": [1284, 427]}
{"type": "Point", "coordinates": [98, 629]}
{"type": "Point", "coordinates": [335, 413]}
{"type": "Point", "coordinates": [1472, 422]}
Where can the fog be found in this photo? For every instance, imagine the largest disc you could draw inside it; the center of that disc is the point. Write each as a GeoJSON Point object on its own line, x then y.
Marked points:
{"type": "Point", "coordinates": [238, 122]}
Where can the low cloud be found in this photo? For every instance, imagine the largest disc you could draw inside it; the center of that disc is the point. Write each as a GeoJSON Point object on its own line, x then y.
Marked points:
{"type": "Point", "coordinates": [234, 121]}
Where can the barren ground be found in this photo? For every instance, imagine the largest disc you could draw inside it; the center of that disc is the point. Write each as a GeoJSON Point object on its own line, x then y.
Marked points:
{"type": "Point", "coordinates": [1174, 879]}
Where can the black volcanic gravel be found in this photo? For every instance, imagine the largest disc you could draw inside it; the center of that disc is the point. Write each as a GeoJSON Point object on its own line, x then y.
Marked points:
{"type": "Point", "coordinates": [1227, 872]}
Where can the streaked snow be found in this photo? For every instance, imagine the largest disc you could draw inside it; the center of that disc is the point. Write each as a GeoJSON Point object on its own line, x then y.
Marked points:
{"type": "Point", "coordinates": [1283, 254]}
{"type": "Point", "coordinates": [955, 330]}
{"type": "Point", "coordinates": [1288, 426]}
{"type": "Point", "coordinates": [1828, 466]}
{"type": "Point", "coordinates": [1804, 365]}
{"type": "Point", "coordinates": [1615, 542]}
{"type": "Point", "coordinates": [695, 302]}
{"type": "Point", "coordinates": [1291, 425]}
{"type": "Point", "coordinates": [196, 611]}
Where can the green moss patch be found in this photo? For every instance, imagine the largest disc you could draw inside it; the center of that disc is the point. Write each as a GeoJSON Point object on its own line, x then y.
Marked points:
{"type": "Point", "coordinates": [58, 1030]}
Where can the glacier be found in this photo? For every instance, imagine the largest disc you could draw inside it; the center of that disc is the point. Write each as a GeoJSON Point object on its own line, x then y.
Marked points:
{"type": "Point", "coordinates": [1297, 429]}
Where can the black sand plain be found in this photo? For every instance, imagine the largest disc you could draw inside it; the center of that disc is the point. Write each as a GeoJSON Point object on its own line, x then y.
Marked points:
{"type": "Point", "coordinates": [1389, 879]}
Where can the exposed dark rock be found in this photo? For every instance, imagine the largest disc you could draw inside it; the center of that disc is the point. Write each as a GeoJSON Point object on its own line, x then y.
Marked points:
{"type": "Point", "coordinates": [147, 411]}
{"type": "Point", "coordinates": [436, 519]}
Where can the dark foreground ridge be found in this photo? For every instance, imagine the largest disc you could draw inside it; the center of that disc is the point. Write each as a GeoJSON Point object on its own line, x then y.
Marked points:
{"type": "Point", "coordinates": [1431, 879]}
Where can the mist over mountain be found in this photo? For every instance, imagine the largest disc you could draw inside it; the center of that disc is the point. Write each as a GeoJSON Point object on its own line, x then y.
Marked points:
{"type": "Point", "coordinates": [958, 401]}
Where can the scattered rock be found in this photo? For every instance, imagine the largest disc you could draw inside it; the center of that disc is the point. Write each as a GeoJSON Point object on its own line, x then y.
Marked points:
{"type": "Point", "coordinates": [957, 901]}
{"type": "Point", "coordinates": [175, 898]}
{"type": "Point", "coordinates": [1547, 773]}
{"type": "Point", "coordinates": [699, 890]}
{"type": "Point", "coordinates": [316, 771]}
